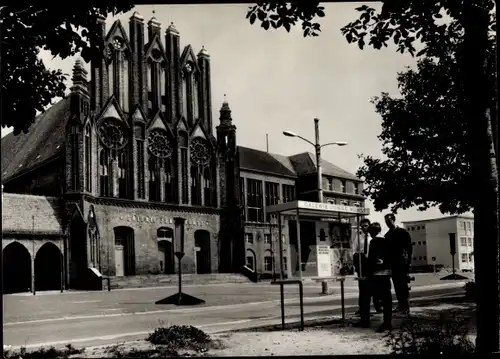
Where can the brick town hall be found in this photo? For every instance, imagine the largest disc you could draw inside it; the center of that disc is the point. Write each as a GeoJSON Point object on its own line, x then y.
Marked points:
{"type": "Point", "coordinates": [94, 186]}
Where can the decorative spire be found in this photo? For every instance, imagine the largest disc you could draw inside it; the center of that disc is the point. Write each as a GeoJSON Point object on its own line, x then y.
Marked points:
{"type": "Point", "coordinates": [136, 16]}
{"type": "Point", "coordinates": [203, 52]}
{"type": "Point", "coordinates": [225, 113]}
{"type": "Point", "coordinates": [172, 29]}
{"type": "Point", "coordinates": [80, 84]}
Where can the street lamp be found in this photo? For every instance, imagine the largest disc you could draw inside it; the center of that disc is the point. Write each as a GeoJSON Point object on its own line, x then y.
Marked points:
{"type": "Point", "coordinates": [318, 147]}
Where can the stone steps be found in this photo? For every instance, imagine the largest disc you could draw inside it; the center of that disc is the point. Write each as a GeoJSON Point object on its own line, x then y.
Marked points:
{"type": "Point", "coordinates": [150, 280]}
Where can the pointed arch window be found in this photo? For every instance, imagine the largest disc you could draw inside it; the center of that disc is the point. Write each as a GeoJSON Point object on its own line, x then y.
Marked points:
{"type": "Point", "coordinates": [154, 179]}
{"type": "Point", "coordinates": [104, 178]}
{"type": "Point", "coordinates": [122, 174]}
{"type": "Point", "coordinates": [190, 92]}
{"type": "Point", "coordinates": [202, 174]}
{"type": "Point", "coordinates": [75, 159]}
{"type": "Point", "coordinates": [118, 66]}
{"type": "Point", "coordinates": [88, 159]}
{"type": "Point", "coordinates": [183, 147]}
{"type": "Point", "coordinates": [156, 80]}
{"type": "Point", "coordinates": [139, 140]}
{"type": "Point", "coordinates": [170, 182]}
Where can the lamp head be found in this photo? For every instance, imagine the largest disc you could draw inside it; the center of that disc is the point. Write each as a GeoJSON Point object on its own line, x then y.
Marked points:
{"type": "Point", "coordinates": [341, 143]}
{"type": "Point", "coordinates": [289, 134]}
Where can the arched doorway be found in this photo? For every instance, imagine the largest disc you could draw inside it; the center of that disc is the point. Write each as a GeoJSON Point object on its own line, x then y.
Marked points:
{"type": "Point", "coordinates": [202, 244]}
{"type": "Point", "coordinates": [78, 252]}
{"type": "Point", "coordinates": [165, 238]}
{"type": "Point", "coordinates": [48, 266]}
{"type": "Point", "coordinates": [250, 260]}
{"type": "Point", "coordinates": [124, 251]}
{"type": "Point", "coordinates": [16, 268]}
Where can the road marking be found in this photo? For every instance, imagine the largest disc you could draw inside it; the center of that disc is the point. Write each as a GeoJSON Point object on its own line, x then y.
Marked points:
{"type": "Point", "coordinates": [324, 298]}
{"type": "Point", "coordinates": [87, 301]}
{"type": "Point", "coordinates": [241, 321]}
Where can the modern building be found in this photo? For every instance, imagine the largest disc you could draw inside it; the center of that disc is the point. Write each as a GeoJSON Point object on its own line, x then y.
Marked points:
{"type": "Point", "coordinates": [96, 184]}
{"type": "Point", "coordinates": [431, 241]}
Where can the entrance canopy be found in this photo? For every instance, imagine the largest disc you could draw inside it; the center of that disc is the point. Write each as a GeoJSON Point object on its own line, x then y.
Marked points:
{"type": "Point", "coordinates": [317, 210]}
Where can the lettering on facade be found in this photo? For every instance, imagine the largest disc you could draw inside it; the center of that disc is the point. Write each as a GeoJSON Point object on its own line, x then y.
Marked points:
{"type": "Point", "coordinates": [334, 207]}
{"type": "Point", "coordinates": [161, 220]}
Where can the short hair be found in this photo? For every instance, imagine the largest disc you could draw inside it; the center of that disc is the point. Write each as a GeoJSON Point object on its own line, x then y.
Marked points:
{"type": "Point", "coordinates": [375, 228]}
{"type": "Point", "coordinates": [391, 216]}
{"type": "Point", "coordinates": [365, 220]}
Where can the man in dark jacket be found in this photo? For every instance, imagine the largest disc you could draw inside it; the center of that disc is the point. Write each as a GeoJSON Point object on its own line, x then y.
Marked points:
{"type": "Point", "coordinates": [380, 273]}
{"type": "Point", "coordinates": [400, 249]}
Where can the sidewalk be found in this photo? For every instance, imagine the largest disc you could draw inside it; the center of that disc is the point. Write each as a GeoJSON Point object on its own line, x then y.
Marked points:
{"type": "Point", "coordinates": [323, 335]}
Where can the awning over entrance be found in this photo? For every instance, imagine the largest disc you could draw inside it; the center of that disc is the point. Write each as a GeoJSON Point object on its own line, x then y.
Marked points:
{"type": "Point", "coordinates": [318, 210]}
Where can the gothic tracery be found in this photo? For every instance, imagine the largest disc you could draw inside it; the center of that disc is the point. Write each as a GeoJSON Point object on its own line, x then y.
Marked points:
{"type": "Point", "coordinates": [200, 152]}
{"type": "Point", "coordinates": [112, 134]}
{"type": "Point", "coordinates": [158, 144]}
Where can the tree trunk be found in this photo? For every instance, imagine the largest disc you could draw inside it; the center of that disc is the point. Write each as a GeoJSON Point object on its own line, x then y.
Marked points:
{"type": "Point", "coordinates": [483, 181]}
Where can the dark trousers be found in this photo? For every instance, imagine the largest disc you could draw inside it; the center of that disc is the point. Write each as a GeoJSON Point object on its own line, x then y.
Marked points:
{"type": "Point", "coordinates": [364, 300]}
{"type": "Point", "coordinates": [381, 288]}
{"type": "Point", "coordinates": [400, 282]}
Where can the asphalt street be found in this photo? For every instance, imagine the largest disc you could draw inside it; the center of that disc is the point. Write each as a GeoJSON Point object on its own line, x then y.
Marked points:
{"type": "Point", "coordinates": [56, 324]}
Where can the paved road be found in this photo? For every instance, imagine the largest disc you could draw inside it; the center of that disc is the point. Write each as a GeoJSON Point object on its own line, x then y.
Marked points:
{"type": "Point", "coordinates": [50, 305]}
{"type": "Point", "coordinates": [107, 328]}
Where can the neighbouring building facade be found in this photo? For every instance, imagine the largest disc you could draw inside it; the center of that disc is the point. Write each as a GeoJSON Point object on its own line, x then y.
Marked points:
{"type": "Point", "coordinates": [430, 240]}
{"type": "Point", "coordinates": [94, 187]}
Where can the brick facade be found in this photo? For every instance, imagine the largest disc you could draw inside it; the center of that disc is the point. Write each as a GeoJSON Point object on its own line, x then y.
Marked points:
{"type": "Point", "coordinates": [144, 94]}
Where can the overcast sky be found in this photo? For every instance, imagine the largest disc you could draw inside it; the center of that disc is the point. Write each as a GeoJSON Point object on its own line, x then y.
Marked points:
{"type": "Point", "coordinates": [276, 80]}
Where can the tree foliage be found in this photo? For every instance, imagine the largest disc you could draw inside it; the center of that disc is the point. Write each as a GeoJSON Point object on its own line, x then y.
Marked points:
{"type": "Point", "coordinates": [27, 85]}
{"type": "Point", "coordinates": [280, 14]}
{"type": "Point", "coordinates": [424, 141]}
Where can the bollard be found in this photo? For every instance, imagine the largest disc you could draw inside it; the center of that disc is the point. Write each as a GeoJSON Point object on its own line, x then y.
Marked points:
{"type": "Point", "coordinates": [324, 287]}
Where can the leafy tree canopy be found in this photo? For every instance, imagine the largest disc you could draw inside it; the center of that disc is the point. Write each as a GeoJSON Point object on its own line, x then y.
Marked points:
{"type": "Point", "coordinates": [27, 85]}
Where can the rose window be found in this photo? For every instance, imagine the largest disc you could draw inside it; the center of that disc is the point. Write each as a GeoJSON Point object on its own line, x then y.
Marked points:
{"type": "Point", "coordinates": [112, 134]}
{"type": "Point", "coordinates": [200, 153]}
{"type": "Point", "coordinates": [158, 144]}
{"type": "Point", "coordinates": [118, 43]}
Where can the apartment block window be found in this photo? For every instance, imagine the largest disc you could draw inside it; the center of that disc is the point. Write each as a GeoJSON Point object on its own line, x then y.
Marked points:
{"type": "Point", "coordinates": [343, 186]}
{"type": "Point", "coordinates": [420, 258]}
{"type": "Point", "coordinates": [469, 241]}
{"type": "Point", "coordinates": [330, 201]}
{"type": "Point", "coordinates": [357, 204]}
{"type": "Point", "coordinates": [423, 227]}
{"type": "Point", "coordinates": [330, 184]}
{"type": "Point", "coordinates": [471, 257]}
{"type": "Point", "coordinates": [463, 225]}
{"type": "Point", "coordinates": [464, 257]}
{"type": "Point", "coordinates": [344, 202]}
{"type": "Point", "coordinates": [468, 226]}
{"type": "Point", "coordinates": [356, 188]}
{"type": "Point", "coordinates": [413, 243]}
{"type": "Point", "coordinates": [419, 242]}
{"type": "Point", "coordinates": [463, 241]}
{"type": "Point", "coordinates": [249, 238]}
{"type": "Point", "coordinates": [414, 258]}
{"type": "Point", "coordinates": [272, 196]}
{"type": "Point", "coordinates": [413, 228]}
{"type": "Point", "coordinates": [255, 201]}
{"type": "Point", "coordinates": [267, 238]}
{"type": "Point", "coordinates": [288, 193]}
{"type": "Point", "coordinates": [424, 243]}
{"type": "Point", "coordinates": [425, 258]}
{"type": "Point", "coordinates": [268, 264]}
{"type": "Point", "coordinates": [284, 262]}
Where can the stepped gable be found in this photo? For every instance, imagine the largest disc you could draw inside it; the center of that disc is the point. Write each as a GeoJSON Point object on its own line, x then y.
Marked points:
{"type": "Point", "coordinates": [305, 164]}
{"type": "Point", "coordinates": [251, 159]}
{"type": "Point", "coordinates": [22, 208]}
{"type": "Point", "coordinates": [43, 142]}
